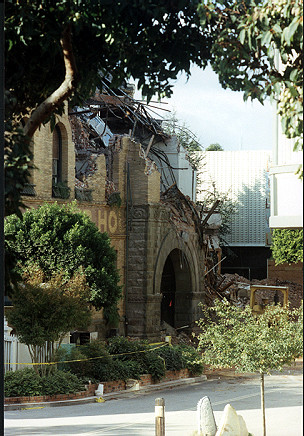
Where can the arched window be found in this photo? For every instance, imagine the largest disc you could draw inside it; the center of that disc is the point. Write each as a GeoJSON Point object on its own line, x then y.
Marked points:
{"type": "Point", "coordinates": [57, 156]}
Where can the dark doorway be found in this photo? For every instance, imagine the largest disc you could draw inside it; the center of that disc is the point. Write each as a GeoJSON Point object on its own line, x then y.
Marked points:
{"type": "Point", "coordinates": [176, 289]}
{"type": "Point", "coordinates": [249, 262]}
{"type": "Point", "coordinates": [79, 338]}
{"type": "Point", "coordinates": [168, 288]}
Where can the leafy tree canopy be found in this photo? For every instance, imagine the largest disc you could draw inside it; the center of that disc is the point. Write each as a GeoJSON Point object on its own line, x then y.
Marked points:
{"type": "Point", "coordinates": [44, 313]}
{"type": "Point", "coordinates": [215, 147]}
{"type": "Point", "coordinates": [233, 337]}
{"type": "Point", "coordinates": [287, 246]}
{"type": "Point", "coordinates": [258, 50]}
{"type": "Point", "coordinates": [60, 238]}
{"type": "Point", "coordinates": [150, 41]}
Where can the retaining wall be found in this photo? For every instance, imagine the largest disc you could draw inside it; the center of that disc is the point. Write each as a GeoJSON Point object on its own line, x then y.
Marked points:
{"type": "Point", "coordinates": [285, 272]}
{"type": "Point", "coordinates": [108, 387]}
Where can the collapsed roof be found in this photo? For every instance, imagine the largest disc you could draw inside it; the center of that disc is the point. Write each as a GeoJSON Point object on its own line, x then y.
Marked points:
{"type": "Point", "coordinates": [115, 111]}
{"type": "Point", "coordinates": [109, 114]}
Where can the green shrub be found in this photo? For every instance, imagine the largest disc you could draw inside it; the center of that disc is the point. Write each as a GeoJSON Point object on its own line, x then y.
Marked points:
{"type": "Point", "coordinates": [90, 360]}
{"type": "Point", "coordinates": [156, 365]}
{"type": "Point", "coordinates": [79, 367]}
{"type": "Point", "coordinates": [61, 382]}
{"type": "Point", "coordinates": [99, 366]}
{"type": "Point", "coordinates": [192, 359]}
{"type": "Point", "coordinates": [133, 369]}
{"type": "Point", "coordinates": [287, 245]}
{"type": "Point", "coordinates": [27, 382]}
{"type": "Point", "coordinates": [99, 359]}
{"type": "Point", "coordinates": [173, 358]}
{"type": "Point", "coordinates": [121, 359]}
{"type": "Point", "coordinates": [23, 382]}
{"type": "Point", "coordinates": [126, 349]}
{"type": "Point", "coordinates": [179, 357]}
{"type": "Point", "coordinates": [120, 370]}
{"type": "Point", "coordinates": [149, 361]}
{"type": "Point", "coordinates": [156, 362]}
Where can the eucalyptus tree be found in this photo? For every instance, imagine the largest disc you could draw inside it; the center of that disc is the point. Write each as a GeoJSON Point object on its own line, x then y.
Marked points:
{"type": "Point", "coordinates": [257, 49]}
{"type": "Point", "coordinates": [58, 51]}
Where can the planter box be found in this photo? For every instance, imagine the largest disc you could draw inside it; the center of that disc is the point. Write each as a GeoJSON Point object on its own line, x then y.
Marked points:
{"type": "Point", "coordinates": [108, 387]}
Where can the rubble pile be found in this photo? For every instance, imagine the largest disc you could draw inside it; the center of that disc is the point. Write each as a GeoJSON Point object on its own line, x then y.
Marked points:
{"type": "Point", "coordinates": [236, 289]}
{"type": "Point", "coordinates": [238, 285]}
{"type": "Point", "coordinates": [178, 336]}
{"type": "Point", "coordinates": [183, 212]}
{"type": "Point", "coordinates": [182, 339]}
{"type": "Point", "coordinates": [80, 135]}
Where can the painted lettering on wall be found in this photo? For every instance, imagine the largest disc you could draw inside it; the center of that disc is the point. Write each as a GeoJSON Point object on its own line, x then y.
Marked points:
{"type": "Point", "coordinates": [106, 220]}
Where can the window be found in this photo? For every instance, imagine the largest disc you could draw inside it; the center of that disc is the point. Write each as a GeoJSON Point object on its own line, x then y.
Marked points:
{"type": "Point", "coordinates": [57, 156]}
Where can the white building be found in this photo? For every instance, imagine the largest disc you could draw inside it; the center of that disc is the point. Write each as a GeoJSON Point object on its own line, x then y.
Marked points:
{"type": "Point", "coordinates": [286, 186]}
{"type": "Point", "coordinates": [180, 170]}
{"type": "Point", "coordinates": [244, 175]}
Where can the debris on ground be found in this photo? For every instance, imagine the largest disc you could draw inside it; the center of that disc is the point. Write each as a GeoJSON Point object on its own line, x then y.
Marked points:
{"type": "Point", "coordinates": [178, 336]}
{"type": "Point", "coordinates": [237, 290]}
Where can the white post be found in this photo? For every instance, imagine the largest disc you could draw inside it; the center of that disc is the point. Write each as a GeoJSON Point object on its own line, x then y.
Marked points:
{"type": "Point", "coordinates": [159, 417]}
{"type": "Point", "coordinates": [99, 390]}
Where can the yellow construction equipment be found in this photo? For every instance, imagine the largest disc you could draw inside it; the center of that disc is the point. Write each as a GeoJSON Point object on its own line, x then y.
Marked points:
{"type": "Point", "coordinates": [258, 308]}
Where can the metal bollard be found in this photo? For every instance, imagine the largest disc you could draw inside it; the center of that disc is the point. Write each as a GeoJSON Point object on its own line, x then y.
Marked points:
{"type": "Point", "coordinates": [159, 417]}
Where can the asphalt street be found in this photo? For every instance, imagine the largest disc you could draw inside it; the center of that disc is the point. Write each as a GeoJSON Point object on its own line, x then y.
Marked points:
{"type": "Point", "coordinates": [133, 413]}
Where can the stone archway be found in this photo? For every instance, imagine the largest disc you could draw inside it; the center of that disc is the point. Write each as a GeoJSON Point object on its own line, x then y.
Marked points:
{"type": "Point", "coordinates": [176, 290]}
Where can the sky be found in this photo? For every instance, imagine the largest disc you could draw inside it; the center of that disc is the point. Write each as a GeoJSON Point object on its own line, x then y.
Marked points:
{"type": "Point", "coordinates": [216, 115]}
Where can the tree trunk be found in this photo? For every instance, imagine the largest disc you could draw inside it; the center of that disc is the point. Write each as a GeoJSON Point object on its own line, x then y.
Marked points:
{"type": "Point", "coordinates": [263, 403]}
{"type": "Point", "coordinates": [33, 353]}
{"type": "Point", "coordinates": [53, 102]}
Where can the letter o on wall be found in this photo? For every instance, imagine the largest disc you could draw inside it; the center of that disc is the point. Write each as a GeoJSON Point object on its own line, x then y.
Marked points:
{"type": "Point", "coordinates": [112, 222]}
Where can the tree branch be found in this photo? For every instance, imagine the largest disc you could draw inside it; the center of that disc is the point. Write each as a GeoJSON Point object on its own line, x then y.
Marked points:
{"type": "Point", "coordinates": [53, 102]}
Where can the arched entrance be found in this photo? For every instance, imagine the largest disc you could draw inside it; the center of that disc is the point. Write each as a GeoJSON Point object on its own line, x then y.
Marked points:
{"type": "Point", "coordinates": [176, 290]}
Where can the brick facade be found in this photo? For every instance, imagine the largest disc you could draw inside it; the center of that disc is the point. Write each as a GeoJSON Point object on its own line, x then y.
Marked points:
{"type": "Point", "coordinates": [142, 246]}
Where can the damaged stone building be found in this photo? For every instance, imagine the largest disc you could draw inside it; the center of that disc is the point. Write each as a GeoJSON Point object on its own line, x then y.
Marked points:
{"type": "Point", "coordinates": [136, 183]}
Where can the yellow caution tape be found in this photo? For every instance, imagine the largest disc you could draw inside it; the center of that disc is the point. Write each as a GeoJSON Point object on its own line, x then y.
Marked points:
{"type": "Point", "coordinates": [163, 344]}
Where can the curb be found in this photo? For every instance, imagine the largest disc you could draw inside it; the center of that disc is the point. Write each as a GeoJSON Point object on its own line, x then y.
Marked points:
{"type": "Point", "coordinates": [296, 367]}
{"type": "Point", "coordinates": [109, 396]}
{"type": "Point", "coordinates": [209, 376]}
